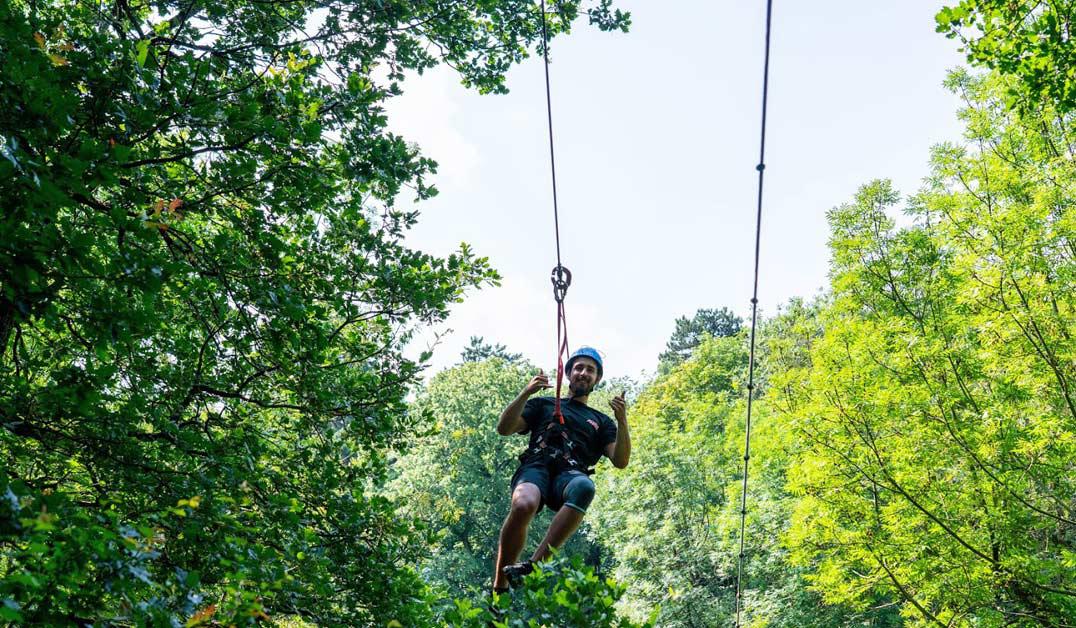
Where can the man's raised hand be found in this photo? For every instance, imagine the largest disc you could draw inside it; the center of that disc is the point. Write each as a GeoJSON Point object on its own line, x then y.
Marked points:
{"type": "Point", "coordinates": [620, 407]}
{"type": "Point", "coordinates": [538, 382]}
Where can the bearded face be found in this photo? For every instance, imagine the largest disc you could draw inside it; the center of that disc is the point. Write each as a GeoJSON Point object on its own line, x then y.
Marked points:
{"type": "Point", "coordinates": [583, 377]}
{"type": "Point", "coordinates": [580, 387]}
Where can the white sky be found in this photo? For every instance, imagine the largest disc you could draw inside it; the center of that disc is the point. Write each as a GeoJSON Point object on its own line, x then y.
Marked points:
{"type": "Point", "coordinates": [657, 141]}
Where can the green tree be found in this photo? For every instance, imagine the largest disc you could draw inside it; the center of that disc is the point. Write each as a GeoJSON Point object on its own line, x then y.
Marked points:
{"type": "Point", "coordinates": [204, 293]}
{"type": "Point", "coordinates": [455, 479]}
{"type": "Point", "coordinates": [1029, 40]}
{"type": "Point", "coordinates": [675, 529]}
{"type": "Point", "coordinates": [662, 533]}
{"type": "Point", "coordinates": [938, 419]}
{"type": "Point", "coordinates": [480, 350]}
{"type": "Point", "coordinates": [690, 332]}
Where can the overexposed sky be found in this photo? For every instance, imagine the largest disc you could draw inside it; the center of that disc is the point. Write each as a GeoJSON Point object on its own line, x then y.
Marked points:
{"type": "Point", "coordinates": [657, 138]}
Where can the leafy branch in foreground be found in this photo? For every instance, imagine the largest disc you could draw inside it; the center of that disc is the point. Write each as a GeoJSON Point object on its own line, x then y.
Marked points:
{"type": "Point", "coordinates": [561, 592]}
{"type": "Point", "coordinates": [204, 296]}
{"type": "Point", "coordinates": [1028, 40]}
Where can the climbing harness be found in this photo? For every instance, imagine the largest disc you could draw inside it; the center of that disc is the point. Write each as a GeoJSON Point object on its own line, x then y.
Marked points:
{"type": "Point", "coordinates": [561, 276]}
{"type": "Point", "coordinates": [554, 449]}
{"type": "Point", "coordinates": [761, 167]}
{"type": "Point", "coordinates": [553, 445]}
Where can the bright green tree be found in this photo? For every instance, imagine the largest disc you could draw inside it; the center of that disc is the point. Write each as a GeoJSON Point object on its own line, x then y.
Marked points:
{"type": "Point", "coordinates": [456, 478]}
{"type": "Point", "coordinates": [1028, 40]}
{"type": "Point", "coordinates": [663, 532]}
{"type": "Point", "coordinates": [938, 418]}
{"type": "Point", "coordinates": [675, 528]}
{"type": "Point", "coordinates": [204, 294]}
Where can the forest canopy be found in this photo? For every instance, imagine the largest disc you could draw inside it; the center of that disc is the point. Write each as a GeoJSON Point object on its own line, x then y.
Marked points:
{"type": "Point", "coordinates": [209, 416]}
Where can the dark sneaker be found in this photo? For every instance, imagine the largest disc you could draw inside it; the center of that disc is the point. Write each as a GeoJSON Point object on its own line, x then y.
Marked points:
{"type": "Point", "coordinates": [516, 572]}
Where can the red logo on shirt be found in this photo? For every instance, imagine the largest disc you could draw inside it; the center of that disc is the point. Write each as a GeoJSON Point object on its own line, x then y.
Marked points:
{"type": "Point", "coordinates": [593, 423]}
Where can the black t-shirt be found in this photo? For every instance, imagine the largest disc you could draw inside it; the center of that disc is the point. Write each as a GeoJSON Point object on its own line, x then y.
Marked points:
{"type": "Point", "coordinates": [589, 429]}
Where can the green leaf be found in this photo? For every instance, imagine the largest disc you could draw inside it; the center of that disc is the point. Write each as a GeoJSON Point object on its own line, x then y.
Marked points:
{"type": "Point", "coordinates": [141, 51]}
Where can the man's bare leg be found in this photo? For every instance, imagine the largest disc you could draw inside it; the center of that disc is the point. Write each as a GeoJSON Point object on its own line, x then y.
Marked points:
{"type": "Point", "coordinates": [526, 500]}
{"type": "Point", "coordinates": [561, 528]}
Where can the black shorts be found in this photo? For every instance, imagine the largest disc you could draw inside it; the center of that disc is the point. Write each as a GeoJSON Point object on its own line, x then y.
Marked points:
{"type": "Point", "coordinates": [552, 489]}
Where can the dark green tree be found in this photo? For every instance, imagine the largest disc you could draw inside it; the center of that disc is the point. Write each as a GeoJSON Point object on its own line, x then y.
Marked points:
{"type": "Point", "coordinates": [204, 294]}
{"type": "Point", "coordinates": [480, 350]}
{"type": "Point", "coordinates": [690, 332]}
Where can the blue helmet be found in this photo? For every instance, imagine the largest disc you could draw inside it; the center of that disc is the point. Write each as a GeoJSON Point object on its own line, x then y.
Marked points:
{"type": "Point", "coordinates": [585, 352]}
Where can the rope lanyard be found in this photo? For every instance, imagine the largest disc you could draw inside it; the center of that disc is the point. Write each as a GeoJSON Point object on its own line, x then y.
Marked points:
{"type": "Point", "coordinates": [562, 350]}
{"type": "Point", "coordinates": [561, 276]}
{"type": "Point", "coordinates": [761, 167]}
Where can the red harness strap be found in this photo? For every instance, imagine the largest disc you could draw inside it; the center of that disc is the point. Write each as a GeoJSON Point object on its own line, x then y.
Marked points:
{"type": "Point", "coordinates": [562, 350]}
{"type": "Point", "coordinates": [561, 278]}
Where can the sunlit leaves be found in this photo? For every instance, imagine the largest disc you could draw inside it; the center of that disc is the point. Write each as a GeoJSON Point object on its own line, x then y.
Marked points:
{"type": "Point", "coordinates": [1028, 40]}
{"type": "Point", "coordinates": [936, 414]}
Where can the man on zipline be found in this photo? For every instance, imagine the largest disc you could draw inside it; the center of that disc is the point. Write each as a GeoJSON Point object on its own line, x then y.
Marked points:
{"type": "Point", "coordinates": [556, 467]}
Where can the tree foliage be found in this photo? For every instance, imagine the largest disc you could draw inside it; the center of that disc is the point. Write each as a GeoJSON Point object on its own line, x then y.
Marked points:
{"type": "Point", "coordinates": [204, 294]}
{"type": "Point", "coordinates": [562, 592]}
{"type": "Point", "coordinates": [937, 414]}
{"type": "Point", "coordinates": [480, 350]}
{"type": "Point", "coordinates": [690, 332]}
{"type": "Point", "coordinates": [1029, 40]}
{"type": "Point", "coordinates": [456, 478]}
{"type": "Point", "coordinates": [675, 529]}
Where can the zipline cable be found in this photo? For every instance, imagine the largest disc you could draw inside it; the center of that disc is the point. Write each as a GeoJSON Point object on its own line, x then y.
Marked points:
{"type": "Point", "coordinates": [549, 117]}
{"type": "Point", "coordinates": [561, 276]}
{"type": "Point", "coordinates": [761, 167]}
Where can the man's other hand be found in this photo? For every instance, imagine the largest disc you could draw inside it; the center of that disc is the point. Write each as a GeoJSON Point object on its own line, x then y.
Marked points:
{"type": "Point", "coordinates": [538, 382]}
{"type": "Point", "coordinates": [620, 407]}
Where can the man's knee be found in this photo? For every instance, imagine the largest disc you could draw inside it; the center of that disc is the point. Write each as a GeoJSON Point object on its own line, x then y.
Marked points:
{"type": "Point", "coordinates": [526, 499]}
{"type": "Point", "coordinates": [579, 493]}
